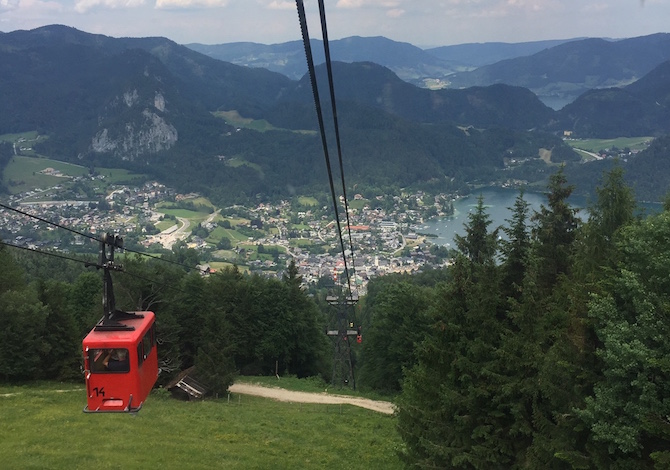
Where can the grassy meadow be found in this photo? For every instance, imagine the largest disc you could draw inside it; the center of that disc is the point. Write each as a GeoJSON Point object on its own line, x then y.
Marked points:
{"type": "Point", "coordinates": [24, 174]}
{"type": "Point", "coordinates": [43, 426]}
{"type": "Point", "coordinates": [233, 118]}
{"type": "Point", "coordinates": [594, 145]}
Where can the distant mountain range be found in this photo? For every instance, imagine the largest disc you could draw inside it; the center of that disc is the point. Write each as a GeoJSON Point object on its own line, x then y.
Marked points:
{"type": "Point", "coordinates": [557, 71]}
{"type": "Point", "coordinates": [565, 71]}
{"type": "Point", "coordinates": [412, 64]}
{"type": "Point", "coordinates": [151, 104]}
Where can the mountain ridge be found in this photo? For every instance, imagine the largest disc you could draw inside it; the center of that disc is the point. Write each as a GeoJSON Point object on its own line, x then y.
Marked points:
{"type": "Point", "coordinates": [150, 104]}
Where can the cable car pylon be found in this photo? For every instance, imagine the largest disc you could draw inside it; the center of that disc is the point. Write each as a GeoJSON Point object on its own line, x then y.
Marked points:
{"type": "Point", "coordinates": [343, 366]}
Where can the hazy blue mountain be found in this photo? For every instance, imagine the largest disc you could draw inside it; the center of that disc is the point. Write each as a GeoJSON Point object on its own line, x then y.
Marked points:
{"type": "Point", "coordinates": [563, 72]}
{"type": "Point", "coordinates": [203, 80]}
{"type": "Point", "coordinates": [148, 103]}
{"type": "Point", "coordinates": [479, 54]}
{"type": "Point", "coordinates": [376, 86]}
{"type": "Point", "coordinates": [641, 108]}
{"type": "Point", "coordinates": [407, 61]}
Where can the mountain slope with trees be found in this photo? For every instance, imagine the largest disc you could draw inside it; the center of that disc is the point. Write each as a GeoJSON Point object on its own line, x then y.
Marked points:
{"type": "Point", "coordinates": [575, 67]}
{"type": "Point", "coordinates": [641, 108]}
{"type": "Point", "coordinates": [542, 350]}
{"type": "Point", "coordinates": [487, 53]}
{"type": "Point", "coordinates": [369, 84]}
{"type": "Point", "coordinates": [149, 103]}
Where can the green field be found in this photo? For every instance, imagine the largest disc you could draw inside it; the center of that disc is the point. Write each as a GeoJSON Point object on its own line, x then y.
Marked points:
{"type": "Point", "coordinates": [165, 224]}
{"type": "Point", "coordinates": [221, 265]}
{"type": "Point", "coordinates": [307, 201]}
{"type": "Point", "coordinates": [24, 142]}
{"type": "Point", "coordinates": [43, 426]}
{"type": "Point", "coordinates": [261, 125]}
{"type": "Point", "coordinates": [359, 203]}
{"type": "Point", "coordinates": [23, 174]}
{"type": "Point", "coordinates": [301, 242]}
{"type": "Point", "coordinates": [219, 232]}
{"type": "Point", "coordinates": [594, 145]}
{"type": "Point", "coordinates": [28, 136]}
{"type": "Point", "coordinates": [183, 213]}
{"type": "Point", "coordinates": [234, 119]}
{"type": "Point", "coordinates": [201, 201]}
{"type": "Point", "coordinates": [120, 176]}
{"type": "Point", "coordinates": [237, 162]}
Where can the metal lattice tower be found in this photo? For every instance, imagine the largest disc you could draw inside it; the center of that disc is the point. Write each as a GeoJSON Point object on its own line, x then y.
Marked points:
{"type": "Point", "coordinates": [343, 367]}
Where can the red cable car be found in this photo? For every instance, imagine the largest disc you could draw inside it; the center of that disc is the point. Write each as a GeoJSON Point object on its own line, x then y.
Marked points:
{"type": "Point", "coordinates": [120, 357]}
{"type": "Point", "coordinates": [120, 363]}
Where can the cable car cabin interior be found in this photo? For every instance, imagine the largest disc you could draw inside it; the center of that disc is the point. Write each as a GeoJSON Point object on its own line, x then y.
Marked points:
{"type": "Point", "coordinates": [120, 363]}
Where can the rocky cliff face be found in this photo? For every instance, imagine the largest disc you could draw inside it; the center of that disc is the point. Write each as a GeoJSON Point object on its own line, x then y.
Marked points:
{"type": "Point", "coordinates": [144, 130]}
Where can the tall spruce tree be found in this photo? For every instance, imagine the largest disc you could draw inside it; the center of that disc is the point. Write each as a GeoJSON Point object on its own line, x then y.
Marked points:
{"type": "Point", "coordinates": [399, 320]}
{"type": "Point", "coordinates": [614, 208]}
{"type": "Point", "coordinates": [627, 413]}
{"type": "Point", "coordinates": [449, 416]}
{"type": "Point", "coordinates": [516, 249]}
{"type": "Point", "coordinates": [555, 231]}
{"type": "Point", "coordinates": [478, 244]}
{"type": "Point", "coordinates": [23, 318]}
{"type": "Point", "coordinates": [308, 345]}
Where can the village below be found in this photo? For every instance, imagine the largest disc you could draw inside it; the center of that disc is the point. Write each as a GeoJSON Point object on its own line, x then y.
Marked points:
{"type": "Point", "coordinates": [385, 230]}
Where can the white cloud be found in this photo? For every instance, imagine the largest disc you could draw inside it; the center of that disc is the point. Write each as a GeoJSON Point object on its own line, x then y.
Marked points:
{"type": "Point", "coordinates": [6, 5]}
{"type": "Point", "coordinates": [281, 5]}
{"type": "Point", "coordinates": [183, 4]}
{"type": "Point", "coordinates": [367, 3]}
{"type": "Point", "coordinates": [595, 7]}
{"type": "Point", "coordinates": [82, 6]}
{"type": "Point", "coordinates": [395, 12]}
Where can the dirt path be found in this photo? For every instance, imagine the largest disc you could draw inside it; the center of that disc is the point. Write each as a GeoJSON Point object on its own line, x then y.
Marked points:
{"type": "Point", "coordinates": [304, 397]}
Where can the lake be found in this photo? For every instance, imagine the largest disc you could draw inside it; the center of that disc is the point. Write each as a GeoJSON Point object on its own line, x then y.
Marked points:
{"type": "Point", "coordinates": [497, 201]}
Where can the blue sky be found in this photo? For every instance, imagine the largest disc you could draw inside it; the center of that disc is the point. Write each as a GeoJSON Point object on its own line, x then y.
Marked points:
{"type": "Point", "coordinates": [420, 22]}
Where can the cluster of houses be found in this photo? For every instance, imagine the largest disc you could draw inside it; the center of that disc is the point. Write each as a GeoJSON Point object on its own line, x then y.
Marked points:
{"type": "Point", "coordinates": [384, 241]}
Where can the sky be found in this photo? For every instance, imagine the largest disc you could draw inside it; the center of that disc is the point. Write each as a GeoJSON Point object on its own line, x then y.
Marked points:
{"type": "Point", "coordinates": [423, 23]}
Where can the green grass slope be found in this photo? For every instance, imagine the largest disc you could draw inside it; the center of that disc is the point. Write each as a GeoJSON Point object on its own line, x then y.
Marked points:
{"type": "Point", "coordinates": [43, 426]}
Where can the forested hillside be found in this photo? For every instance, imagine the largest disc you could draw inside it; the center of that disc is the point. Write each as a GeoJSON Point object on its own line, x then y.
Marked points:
{"type": "Point", "coordinates": [572, 68]}
{"type": "Point", "coordinates": [551, 356]}
{"type": "Point", "coordinates": [641, 108]}
{"type": "Point", "coordinates": [148, 105]}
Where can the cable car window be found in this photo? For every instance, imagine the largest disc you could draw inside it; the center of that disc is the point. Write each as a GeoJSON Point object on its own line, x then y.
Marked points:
{"type": "Point", "coordinates": [147, 344]}
{"type": "Point", "coordinates": [109, 360]}
{"type": "Point", "coordinates": [140, 354]}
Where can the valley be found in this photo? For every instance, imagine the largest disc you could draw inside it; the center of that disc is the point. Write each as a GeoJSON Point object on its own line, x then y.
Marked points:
{"type": "Point", "coordinates": [262, 238]}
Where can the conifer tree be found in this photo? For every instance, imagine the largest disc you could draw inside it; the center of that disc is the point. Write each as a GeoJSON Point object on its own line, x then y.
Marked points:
{"type": "Point", "coordinates": [307, 343]}
{"type": "Point", "coordinates": [62, 344]}
{"type": "Point", "coordinates": [449, 415]}
{"type": "Point", "coordinates": [399, 320]}
{"type": "Point", "coordinates": [628, 409]}
{"type": "Point", "coordinates": [478, 244]}
{"type": "Point", "coordinates": [23, 318]}
{"type": "Point", "coordinates": [516, 249]}
{"type": "Point", "coordinates": [555, 231]}
{"type": "Point", "coordinates": [614, 207]}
